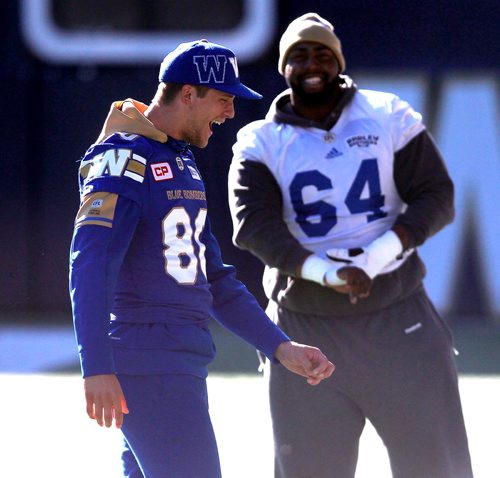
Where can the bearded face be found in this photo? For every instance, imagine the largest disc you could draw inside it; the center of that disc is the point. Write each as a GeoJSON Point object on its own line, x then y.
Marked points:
{"type": "Point", "coordinates": [312, 72]}
{"type": "Point", "coordinates": [314, 97]}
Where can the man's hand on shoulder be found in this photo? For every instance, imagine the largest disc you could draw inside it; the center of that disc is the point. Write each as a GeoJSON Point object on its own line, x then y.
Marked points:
{"type": "Point", "coordinates": [105, 400]}
{"type": "Point", "coordinates": [305, 360]}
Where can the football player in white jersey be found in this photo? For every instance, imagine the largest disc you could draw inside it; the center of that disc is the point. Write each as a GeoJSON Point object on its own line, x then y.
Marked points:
{"type": "Point", "coordinates": [339, 176]}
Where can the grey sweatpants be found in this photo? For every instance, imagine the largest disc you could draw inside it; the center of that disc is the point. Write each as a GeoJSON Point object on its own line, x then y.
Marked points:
{"type": "Point", "coordinates": [394, 367]}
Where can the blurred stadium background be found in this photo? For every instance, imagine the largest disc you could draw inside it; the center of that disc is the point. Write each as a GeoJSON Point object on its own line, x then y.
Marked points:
{"type": "Point", "coordinates": [65, 61]}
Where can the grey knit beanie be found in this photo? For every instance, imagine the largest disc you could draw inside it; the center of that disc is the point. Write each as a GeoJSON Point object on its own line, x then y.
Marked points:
{"type": "Point", "coordinates": [310, 27]}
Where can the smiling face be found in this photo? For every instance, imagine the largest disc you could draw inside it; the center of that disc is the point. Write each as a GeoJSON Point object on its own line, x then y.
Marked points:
{"type": "Point", "coordinates": [206, 110]}
{"type": "Point", "coordinates": [188, 113]}
{"type": "Point", "coordinates": [311, 71]}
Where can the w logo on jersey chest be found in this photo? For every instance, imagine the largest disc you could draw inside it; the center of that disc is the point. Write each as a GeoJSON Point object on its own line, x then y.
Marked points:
{"type": "Point", "coordinates": [213, 67]}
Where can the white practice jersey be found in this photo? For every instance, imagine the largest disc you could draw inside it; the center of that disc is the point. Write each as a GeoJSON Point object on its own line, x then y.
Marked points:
{"type": "Point", "coordinates": [338, 186]}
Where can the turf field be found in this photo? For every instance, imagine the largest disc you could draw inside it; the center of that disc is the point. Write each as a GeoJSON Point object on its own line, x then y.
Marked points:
{"type": "Point", "coordinates": [45, 431]}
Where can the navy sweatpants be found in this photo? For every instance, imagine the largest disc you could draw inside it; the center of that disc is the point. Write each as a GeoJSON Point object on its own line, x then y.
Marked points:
{"type": "Point", "coordinates": [168, 432]}
{"type": "Point", "coordinates": [394, 367]}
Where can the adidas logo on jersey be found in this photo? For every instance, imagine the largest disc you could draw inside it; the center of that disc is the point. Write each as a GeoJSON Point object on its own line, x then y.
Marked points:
{"type": "Point", "coordinates": [333, 153]}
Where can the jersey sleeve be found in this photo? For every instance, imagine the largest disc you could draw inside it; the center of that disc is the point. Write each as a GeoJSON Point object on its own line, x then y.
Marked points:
{"type": "Point", "coordinates": [406, 123]}
{"type": "Point", "coordinates": [97, 251]}
{"type": "Point", "coordinates": [235, 307]}
{"type": "Point", "coordinates": [424, 184]}
{"type": "Point", "coordinates": [256, 205]}
{"type": "Point", "coordinates": [420, 175]}
{"type": "Point", "coordinates": [111, 188]}
{"type": "Point", "coordinates": [250, 144]}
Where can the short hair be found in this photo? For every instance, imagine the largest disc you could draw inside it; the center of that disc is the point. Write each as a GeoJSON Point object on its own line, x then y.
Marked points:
{"type": "Point", "coordinates": [170, 90]}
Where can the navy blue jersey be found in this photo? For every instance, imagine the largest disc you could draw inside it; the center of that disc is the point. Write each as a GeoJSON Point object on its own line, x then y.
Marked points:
{"type": "Point", "coordinates": [146, 273]}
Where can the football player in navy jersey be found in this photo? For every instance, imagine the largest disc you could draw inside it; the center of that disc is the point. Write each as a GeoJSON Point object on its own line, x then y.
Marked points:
{"type": "Point", "coordinates": [146, 273]}
{"type": "Point", "coordinates": [338, 175]}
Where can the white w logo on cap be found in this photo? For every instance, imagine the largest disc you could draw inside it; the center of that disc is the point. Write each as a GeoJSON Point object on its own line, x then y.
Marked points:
{"type": "Point", "coordinates": [210, 66]}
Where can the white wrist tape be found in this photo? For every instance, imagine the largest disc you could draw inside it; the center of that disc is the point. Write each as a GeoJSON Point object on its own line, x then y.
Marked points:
{"type": "Point", "coordinates": [314, 269]}
{"type": "Point", "coordinates": [379, 253]}
{"type": "Point", "coordinates": [321, 271]}
{"type": "Point", "coordinates": [331, 277]}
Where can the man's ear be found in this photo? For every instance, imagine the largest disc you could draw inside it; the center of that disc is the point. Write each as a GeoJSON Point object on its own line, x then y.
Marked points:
{"type": "Point", "coordinates": [187, 93]}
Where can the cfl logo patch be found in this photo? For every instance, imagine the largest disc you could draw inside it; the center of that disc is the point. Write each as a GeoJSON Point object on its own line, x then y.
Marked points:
{"type": "Point", "coordinates": [97, 203]}
{"type": "Point", "coordinates": [162, 171]}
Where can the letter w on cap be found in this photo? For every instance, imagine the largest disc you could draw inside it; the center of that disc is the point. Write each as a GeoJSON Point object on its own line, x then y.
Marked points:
{"type": "Point", "coordinates": [210, 66]}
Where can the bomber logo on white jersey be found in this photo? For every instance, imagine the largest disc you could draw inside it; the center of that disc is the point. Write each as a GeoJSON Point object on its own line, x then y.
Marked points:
{"type": "Point", "coordinates": [213, 66]}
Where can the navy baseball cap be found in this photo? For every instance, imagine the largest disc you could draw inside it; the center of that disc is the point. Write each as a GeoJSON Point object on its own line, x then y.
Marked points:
{"type": "Point", "coordinates": [207, 64]}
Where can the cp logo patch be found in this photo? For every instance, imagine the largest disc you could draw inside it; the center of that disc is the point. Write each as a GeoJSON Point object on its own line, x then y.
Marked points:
{"type": "Point", "coordinates": [162, 171]}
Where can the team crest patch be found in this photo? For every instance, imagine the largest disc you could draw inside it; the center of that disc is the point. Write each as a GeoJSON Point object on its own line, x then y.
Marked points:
{"type": "Point", "coordinates": [329, 137]}
{"type": "Point", "coordinates": [162, 171]}
{"type": "Point", "coordinates": [362, 140]}
{"type": "Point", "coordinates": [194, 173]}
{"type": "Point", "coordinates": [180, 163]}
